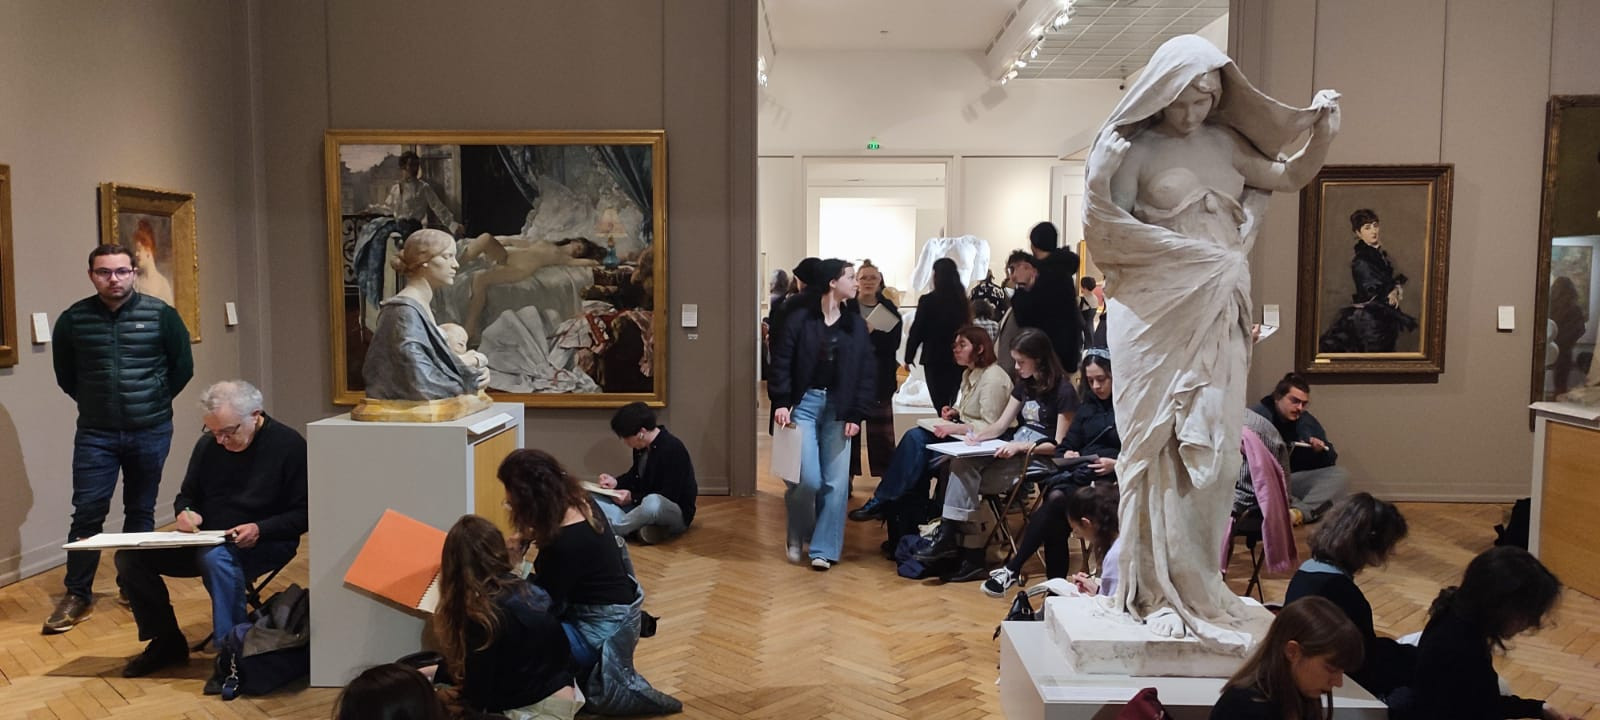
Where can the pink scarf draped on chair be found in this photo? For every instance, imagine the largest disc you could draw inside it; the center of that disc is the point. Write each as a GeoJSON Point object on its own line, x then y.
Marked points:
{"type": "Point", "coordinates": [1272, 494]}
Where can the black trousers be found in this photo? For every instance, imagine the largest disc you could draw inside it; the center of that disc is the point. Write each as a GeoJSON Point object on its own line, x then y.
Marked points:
{"type": "Point", "coordinates": [879, 432]}
{"type": "Point", "coordinates": [1047, 526]}
{"type": "Point", "coordinates": [226, 569]}
{"type": "Point", "coordinates": [943, 383]}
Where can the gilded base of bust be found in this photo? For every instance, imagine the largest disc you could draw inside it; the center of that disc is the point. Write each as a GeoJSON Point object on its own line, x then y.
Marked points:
{"type": "Point", "coordinates": [372, 410]}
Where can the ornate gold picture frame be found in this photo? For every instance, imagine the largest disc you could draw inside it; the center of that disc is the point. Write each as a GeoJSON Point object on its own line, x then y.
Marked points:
{"type": "Point", "coordinates": [158, 227]}
{"type": "Point", "coordinates": [561, 239]}
{"type": "Point", "coordinates": [1374, 268]}
{"type": "Point", "coordinates": [1567, 291]}
{"type": "Point", "coordinates": [8, 292]}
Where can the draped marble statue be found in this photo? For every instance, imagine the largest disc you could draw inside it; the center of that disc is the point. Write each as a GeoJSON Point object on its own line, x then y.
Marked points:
{"type": "Point", "coordinates": [411, 372]}
{"type": "Point", "coordinates": [1177, 186]}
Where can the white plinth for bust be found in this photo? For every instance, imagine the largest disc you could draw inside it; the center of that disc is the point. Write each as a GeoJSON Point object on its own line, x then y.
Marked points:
{"type": "Point", "coordinates": [1099, 642]}
{"type": "Point", "coordinates": [1037, 683]}
{"type": "Point", "coordinates": [433, 472]}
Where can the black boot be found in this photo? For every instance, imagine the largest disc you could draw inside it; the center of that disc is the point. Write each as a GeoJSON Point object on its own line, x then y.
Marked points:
{"type": "Point", "coordinates": [944, 544]}
{"type": "Point", "coordinates": [972, 568]}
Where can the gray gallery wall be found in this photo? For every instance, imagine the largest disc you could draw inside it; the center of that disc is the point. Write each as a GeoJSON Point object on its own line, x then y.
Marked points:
{"type": "Point", "coordinates": [144, 93]}
{"type": "Point", "coordinates": [1429, 81]}
{"type": "Point", "coordinates": [683, 65]}
{"type": "Point", "coordinates": [230, 100]}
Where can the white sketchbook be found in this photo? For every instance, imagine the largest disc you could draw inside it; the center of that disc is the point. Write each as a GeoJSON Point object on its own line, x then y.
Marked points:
{"type": "Point", "coordinates": [786, 453]}
{"type": "Point", "coordinates": [598, 490]}
{"type": "Point", "coordinates": [159, 539]}
{"type": "Point", "coordinates": [960, 448]}
{"type": "Point", "coordinates": [880, 319]}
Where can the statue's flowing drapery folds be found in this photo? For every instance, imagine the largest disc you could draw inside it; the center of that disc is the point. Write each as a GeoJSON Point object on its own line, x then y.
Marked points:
{"type": "Point", "coordinates": [1179, 313]}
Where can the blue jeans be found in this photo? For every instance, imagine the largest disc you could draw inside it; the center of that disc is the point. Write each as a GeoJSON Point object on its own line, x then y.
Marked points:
{"type": "Point", "coordinates": [226, 570]}
{"type": "Point", "coordinates": [654, 509]}
{"type": "Point", "coordinates": [97, 456]}
{"type": "Point", "coordinates": [909, 466]}
{"type": "Point", "coordinates": [817, 503]}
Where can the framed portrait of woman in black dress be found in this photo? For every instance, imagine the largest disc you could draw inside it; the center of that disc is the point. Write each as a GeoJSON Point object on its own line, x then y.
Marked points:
{"type": "Point", "coordinates": [1374, 264]}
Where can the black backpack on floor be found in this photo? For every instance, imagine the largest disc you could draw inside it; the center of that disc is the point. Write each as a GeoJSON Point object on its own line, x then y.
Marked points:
{"type": "Point", "coordinates": [270, 651]}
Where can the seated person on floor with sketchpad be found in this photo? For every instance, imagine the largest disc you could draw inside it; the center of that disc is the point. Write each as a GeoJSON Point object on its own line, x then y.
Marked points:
{"type": "Point", "coordinates": [246, 477]}
{"type": "Point", "coordinates": [655, 497]}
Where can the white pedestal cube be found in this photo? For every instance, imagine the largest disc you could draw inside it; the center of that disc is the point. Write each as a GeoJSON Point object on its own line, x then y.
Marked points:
{"type": "Point", "coordinates": [433, 472]}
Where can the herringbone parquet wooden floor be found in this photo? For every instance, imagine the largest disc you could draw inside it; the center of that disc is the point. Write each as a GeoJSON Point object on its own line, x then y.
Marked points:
{"type": "Point", "coordinates": [745, 635]}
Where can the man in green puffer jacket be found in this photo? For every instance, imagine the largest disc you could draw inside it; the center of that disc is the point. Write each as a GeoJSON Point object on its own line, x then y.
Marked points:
{"type": "Point", "coordinates": [122, 356]}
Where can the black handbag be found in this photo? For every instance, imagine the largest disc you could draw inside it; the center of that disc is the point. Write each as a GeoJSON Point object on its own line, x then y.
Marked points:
{"type": "Point", "coordinates": [1021, 610]}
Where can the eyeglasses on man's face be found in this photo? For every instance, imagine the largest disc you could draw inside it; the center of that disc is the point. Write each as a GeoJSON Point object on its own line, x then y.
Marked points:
{"type": "Point", "coordinates": [228, 433]}
{"type": "Point", "coordinates": [108, 273]}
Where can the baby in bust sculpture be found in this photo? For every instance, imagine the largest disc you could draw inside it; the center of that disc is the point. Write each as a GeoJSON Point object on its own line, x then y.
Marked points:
{"type": "Point", "coordinates": [473, 360]}
{"type": "Point", "coordinates": [409, 361]}
{"type": "Point", "coordinates": [1177, 186]}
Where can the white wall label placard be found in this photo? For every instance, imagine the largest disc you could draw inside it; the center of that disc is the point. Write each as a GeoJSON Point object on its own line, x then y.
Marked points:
{"type": "Point", "coordinates": [41, 328]}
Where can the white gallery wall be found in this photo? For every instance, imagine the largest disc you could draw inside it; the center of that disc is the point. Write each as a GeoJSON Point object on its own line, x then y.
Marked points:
{"type": "Point", "coordinates": [1000, 142]}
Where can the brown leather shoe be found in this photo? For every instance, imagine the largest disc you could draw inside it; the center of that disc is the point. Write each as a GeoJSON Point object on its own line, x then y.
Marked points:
{"type": "Point", "coordinates": [70, 611]}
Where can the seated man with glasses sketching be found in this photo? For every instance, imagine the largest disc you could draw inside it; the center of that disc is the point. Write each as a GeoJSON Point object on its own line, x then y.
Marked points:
{"type": "Point", "coordinates": [246, 477]}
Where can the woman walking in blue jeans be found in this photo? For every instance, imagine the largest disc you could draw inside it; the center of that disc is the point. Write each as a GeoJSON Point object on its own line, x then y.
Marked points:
{"type": "Point", "coordinates": [822, 380]}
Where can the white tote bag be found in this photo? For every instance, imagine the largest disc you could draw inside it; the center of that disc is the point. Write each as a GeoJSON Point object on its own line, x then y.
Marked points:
{"type": "Point", "coordinates": [786, 452]}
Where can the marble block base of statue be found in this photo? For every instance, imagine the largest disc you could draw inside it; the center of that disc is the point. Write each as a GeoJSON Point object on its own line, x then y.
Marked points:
{"type": "Point", "coordinates": [1097, 640]}
{"type": "Point", "coordinates": [373, 410]}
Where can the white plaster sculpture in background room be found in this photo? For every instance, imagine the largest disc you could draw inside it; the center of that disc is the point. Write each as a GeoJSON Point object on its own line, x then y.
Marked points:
{"type": "Point", "coordinates": [1178, 183]}
{"type": "Point", "coordinates": [411, 372]}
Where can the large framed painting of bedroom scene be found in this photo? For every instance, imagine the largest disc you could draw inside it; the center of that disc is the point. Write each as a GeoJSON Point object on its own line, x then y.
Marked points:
{"type": "Point", "coordinates": [561, 244]}
{"type": "Point", "coordinates": [1374, 265]}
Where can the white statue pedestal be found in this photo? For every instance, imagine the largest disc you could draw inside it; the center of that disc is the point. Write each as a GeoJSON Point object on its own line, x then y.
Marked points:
{"type": "Point", "coordinates": [1097, 641]}
{"type": "Point", "coordinates": [433, 472]}
{"type": "Point", "coordinates": [1037, 682]}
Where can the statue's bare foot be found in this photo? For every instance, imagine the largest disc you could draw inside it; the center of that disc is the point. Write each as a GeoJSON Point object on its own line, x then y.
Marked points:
{"type": "Point", "coordinates": [1166, 623]}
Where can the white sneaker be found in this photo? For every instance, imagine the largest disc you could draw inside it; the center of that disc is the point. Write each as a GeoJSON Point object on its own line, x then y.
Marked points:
{"type": "Point", "coordinates": [793, 553]}
{"type": "Point", "coordinates": [821, 564]}
{"type": "Point", "coordinates": [1000, 580]}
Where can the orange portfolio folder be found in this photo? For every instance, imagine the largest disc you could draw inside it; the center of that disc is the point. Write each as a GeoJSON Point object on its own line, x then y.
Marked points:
{"type": "Point", "coordinates": [400, 561]}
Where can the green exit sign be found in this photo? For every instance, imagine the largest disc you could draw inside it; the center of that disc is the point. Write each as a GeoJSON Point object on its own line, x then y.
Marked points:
{"type": "Point", "coordinates": [873, 145]}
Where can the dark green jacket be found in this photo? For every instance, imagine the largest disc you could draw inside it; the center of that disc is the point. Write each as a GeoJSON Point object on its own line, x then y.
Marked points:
{"type": "Point", "coordinates": [122, 368]}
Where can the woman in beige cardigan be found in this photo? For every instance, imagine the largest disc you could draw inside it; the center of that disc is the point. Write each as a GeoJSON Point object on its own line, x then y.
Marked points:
{"type": "Point", "coordinates": [985, 389]}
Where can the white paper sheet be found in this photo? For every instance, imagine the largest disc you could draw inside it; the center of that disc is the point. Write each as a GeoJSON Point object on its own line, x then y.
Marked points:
{"type": "Point", "coordinates": [960, 448]}
{"type": "Point", "coordinates": [160, 539]}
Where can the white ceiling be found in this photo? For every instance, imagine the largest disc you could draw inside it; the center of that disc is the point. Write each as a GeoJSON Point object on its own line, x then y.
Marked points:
{"type": "Point", "coordinates": [885, 24]}
{"type": "Point", "coordinates": [1105, 39]}
{"type": "Point", "coordinates": [1113, 38]}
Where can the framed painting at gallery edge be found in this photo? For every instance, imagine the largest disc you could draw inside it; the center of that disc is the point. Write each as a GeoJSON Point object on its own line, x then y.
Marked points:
{"type": "Point", "coordinates": [560, 238]}
{"type": "Point", "coordinates": [8, 293]}
{"type": "Point", "coordinates": [1374, 267]}
{"type": "Point", "coordinates": [158, 227]}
